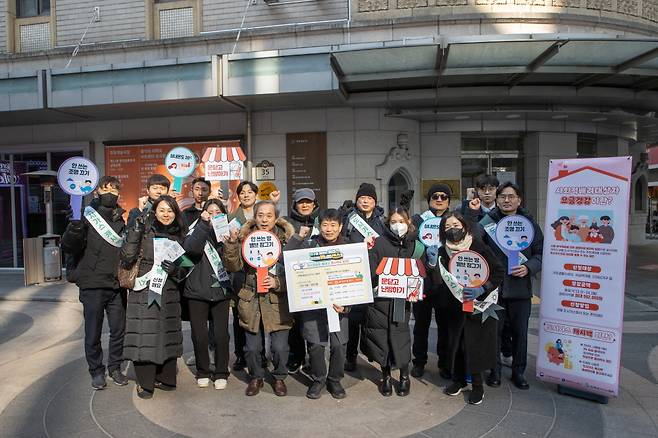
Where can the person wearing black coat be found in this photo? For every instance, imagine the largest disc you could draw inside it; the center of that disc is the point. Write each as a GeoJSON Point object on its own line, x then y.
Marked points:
{"type": "Point", "coordinates": [208, 296]}
{"type": "Point", "coordinates": [386, 338]}
{"type": "Point", "coordinates": [366, 207]}
{"type": "Point", "coordinates": [200, 193]}
{"type": "Point", "coordinates": [96, 276]}
{"type": "Point", "coordinates": [472, 342]}
{"type": "Point", "coordinates": [438, 203]}
{"type": "Point", "coordinates": [516, 290]}
{"type": "Point", "coordinates": [154, 337]}
{"type": "Point", "coordinates": [156, 185]}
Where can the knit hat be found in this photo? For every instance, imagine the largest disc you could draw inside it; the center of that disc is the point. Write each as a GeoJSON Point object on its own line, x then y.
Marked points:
{"type": "Point", "coordinates": [304, 193]}
{"type": "Point", "coordinates": [445, 188]}
{"type": "Point", "coordinates": [366, 189]}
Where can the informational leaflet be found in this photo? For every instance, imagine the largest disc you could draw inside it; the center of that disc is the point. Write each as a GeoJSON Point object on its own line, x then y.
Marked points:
{"type": "Point", "coordinates": [221, 226]}
{"type": "Point", "coordinates": [319, 277]}
{"type": "Point", "coordinates": [584, 273]}
{"type": "Point", "coordinates": [163, 249]}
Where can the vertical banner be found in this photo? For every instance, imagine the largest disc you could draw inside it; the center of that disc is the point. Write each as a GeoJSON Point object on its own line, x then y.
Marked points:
{"type": "Point", "coordinates": [306, 161]}
{"type": "Point", "coordinates": [584, 273]}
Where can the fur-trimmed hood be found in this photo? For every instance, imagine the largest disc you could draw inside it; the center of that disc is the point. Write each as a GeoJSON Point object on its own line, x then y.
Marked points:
{"type": "Point", "coordinates": [283, 229]}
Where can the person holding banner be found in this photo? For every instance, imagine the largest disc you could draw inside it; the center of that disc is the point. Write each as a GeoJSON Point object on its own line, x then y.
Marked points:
{"type": "Point", "coordinates": [472, 340]}
{"type": "Point", "coordinates": [208, 291]}
{"type": "Point", "coordinates": [438, 202]}
{"type": "Point", "coordinates": [95, 241]}
{"type": "Point", "coordinates": [154, 338]}
{"type": "Point", "coordinates": [516, 290]}
{"type": "Point", "coordinates": [386, 337]}
{"type": "Point", "coordinates": [156, 185]}
{"type": "Point", "coordinates": [262, 313]}
{"type": "Point", "coordinates": [315, 322]}
{"type": "Point", "coordinates": [364, 211]}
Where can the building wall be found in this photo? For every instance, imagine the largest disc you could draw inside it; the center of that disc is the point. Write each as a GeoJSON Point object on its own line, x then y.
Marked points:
{"type": "Point", "coordinates": [3, 26]}
{"type": "Point", "coordinates": [120, 20]}
{"type": "Point", "coordinates": [227, 14]}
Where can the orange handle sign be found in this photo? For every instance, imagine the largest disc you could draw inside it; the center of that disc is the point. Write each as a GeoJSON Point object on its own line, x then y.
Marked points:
{"type": "Point", "coordinates": [467, 306]}
{"type": "Point", "coordinates": [261, 275]}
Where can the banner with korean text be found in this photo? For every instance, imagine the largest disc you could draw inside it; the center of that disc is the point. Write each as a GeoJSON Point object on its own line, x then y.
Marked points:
{"type": "Point", "coordinates": [584, 273]}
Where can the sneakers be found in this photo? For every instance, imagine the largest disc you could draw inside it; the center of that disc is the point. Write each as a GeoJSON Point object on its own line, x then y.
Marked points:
{"type": "Point", "coordinates": [336, 389]}
{"type": "Point", "coordinates": [454, 388]}
{"type": "Point", "coordinates": [143, 393]}
{"type": "Point", "coordinates": [477, 395]}
{"type": "Point", "coordinates": [506, 360]}
{"type": "Point", "coordinates": [203, 382]}
{"type": "Point", "coordinates": [315, 391]}
{"type": "Point", "coordinates": [119, 378]}
{"type": "Point", "coordinates": [98, 382]}
{"type": "Point", "coordinates": [190, 361]}
{"type": "Point", "coordinates": [294, 366]}
{"type": "Point", "coordinates": [163, 387]}
{"type": "Point", "coordinates": [417, 371]}
{"type": "Point", "coordinates": [221, 383]}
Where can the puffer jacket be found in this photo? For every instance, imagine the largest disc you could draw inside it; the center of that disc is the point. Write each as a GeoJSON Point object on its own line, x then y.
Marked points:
{"type": "Point", "coordinates": [376, 222]}
{"type": "Point", "coordinates": [270, 307]}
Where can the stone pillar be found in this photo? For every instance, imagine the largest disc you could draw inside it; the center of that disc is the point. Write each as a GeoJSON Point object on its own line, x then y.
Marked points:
{"type": "Point", "coordinates": [539, 148]}
{"type": "Point", "coordinates": [440, 159]}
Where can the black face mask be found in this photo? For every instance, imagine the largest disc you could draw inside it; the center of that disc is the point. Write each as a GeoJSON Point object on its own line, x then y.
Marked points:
{"type": "Point", "coordinates": [109, 200]}
{"type": "Point", "coordinates": [455, 234]}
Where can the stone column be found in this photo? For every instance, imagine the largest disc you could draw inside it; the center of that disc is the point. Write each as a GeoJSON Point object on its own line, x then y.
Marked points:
{"type": "Point", "coordinates": [440, 159]}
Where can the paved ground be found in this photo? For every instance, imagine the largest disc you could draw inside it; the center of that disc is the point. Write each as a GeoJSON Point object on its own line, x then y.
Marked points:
{"type": "Point", "coordinates": [46, 392]}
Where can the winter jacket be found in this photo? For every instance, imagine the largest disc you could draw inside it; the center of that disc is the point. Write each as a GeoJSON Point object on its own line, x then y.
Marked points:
{"type": "Point", "coordinates": [98, 260]}
{"type": "Point", "coordinates": [199, 285]}
{"type": "Point", "coordinates": [298, 220]}
{"type": "Point", "coordinates": [191, 214]}
{"type": "Point", "coordinates": [417, 219]}
{"type": "Point", "coordinates": [381, 336]}
{"type": "Point", "coordinates": [270, 307]}
{"type": "Point", "coordinates": [239, 215]}
{"type": "Point", "coordinates": [136, 212]}
{"type": "Point", "coordinates": [376, 221]}
{"type": "Point", "coordinates": [516, 287]}
{"type": "Point", "coordinates": [479, 337]}
{"type": "Point", "coordinates": [153, 333]}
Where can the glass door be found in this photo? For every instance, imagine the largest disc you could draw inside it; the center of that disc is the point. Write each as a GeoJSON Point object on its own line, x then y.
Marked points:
{"type": "Point", "coordinates": [472, 166]}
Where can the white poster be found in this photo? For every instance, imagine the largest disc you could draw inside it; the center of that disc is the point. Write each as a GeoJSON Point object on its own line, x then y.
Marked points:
{"type": "Point", "coordinates": [584, 273]}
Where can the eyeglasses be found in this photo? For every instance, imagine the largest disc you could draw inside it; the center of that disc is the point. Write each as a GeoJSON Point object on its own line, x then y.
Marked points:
{"type": "Point", "coordinates": [507, 197]}
{"type": "Point", "coordinates": [440, 197]}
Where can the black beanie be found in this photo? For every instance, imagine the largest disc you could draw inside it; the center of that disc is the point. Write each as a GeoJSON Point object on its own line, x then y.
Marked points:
{"type": "Point", "coordinates": [445, 188]}
{"type": "Point", "coordinates": [366, 189]}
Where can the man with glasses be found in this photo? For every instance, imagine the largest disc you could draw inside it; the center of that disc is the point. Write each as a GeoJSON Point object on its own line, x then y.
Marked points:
{"type": "Point", "coordinates": [438, 201]}
{"type": "Point", "coordinates": [516, 291]}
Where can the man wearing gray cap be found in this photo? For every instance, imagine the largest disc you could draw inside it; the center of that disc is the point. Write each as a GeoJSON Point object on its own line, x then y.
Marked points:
{"type": "Point", "coordinates": [303, 214]}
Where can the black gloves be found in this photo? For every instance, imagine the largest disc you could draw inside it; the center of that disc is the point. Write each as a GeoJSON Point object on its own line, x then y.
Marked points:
{"type": "Point", "coordinates": [75, 223]}
{"type": "Point", "coordinates": [140, 223]}
{"type": "Point", "coordinates": [169, 267]}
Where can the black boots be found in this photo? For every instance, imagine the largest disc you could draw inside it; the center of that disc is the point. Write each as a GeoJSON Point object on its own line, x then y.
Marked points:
{"type": "Point", "coordinates": [405, 383]}
{"type": "Point", "coordinates": [386, 387]}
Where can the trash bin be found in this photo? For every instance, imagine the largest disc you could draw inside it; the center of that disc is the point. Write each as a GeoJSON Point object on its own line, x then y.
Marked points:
{"type": "Point", "coordinates": [42, 259]}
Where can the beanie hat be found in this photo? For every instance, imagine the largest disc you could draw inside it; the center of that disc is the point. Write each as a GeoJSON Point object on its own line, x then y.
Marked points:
{"type": "Point", "coordinates": [304, 193]}
{"type": "Point", "coordinates": [445, 188]}
{"type": "Point", "coordinates": [366, 189]}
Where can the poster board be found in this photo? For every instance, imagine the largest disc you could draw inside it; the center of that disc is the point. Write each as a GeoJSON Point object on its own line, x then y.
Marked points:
{"type": "Point", "coordinates": [584, 273]}
{"type": "Point", "coordinates": [306, 160]}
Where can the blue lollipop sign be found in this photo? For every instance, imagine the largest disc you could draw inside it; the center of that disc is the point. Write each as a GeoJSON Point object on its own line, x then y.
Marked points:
{"type": "Point", "coordinates": [77, 176]}
{"type": "Point", "coordinates": [514, 234]}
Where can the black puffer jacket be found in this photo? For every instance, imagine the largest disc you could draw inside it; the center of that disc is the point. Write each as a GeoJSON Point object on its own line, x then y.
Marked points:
{"type": "Point", "coordinates": [199, 284]}
{"type": "Point", "coordinates": [191, 214]}
{"type": "Point", "coordinates": [153, 333]}
{"type": "Point", "coordinates": [376, 221]}
{"type": "Point", "coordinates": [298, 220]}
{"type": "Point", "coordinates": [381, 335]}
{"type": "Point", "coordinates": [98, 260]}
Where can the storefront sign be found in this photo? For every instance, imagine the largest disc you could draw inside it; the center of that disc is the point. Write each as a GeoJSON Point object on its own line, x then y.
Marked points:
{"type": "Point", "coordinates": [470, 270]}
{"type": "Point", "coordinates": [265, 171]}
{"type": "Point", "coordinates": [584, 273]}
{"type": "Point", "coordinates": [400, 278]}
{"type": "Point", "coordinates": [224, 163]}
{"type": "Point", "coordinates": [77, 176]}
{"type": "Point", "coordinates": [514, 234]}
{"type": "Point", "coordinates": [261, 250]}
{"type": "Point", "coordinates": [320, 277]}
{"type": "Point", "coordinates": [306, 159]}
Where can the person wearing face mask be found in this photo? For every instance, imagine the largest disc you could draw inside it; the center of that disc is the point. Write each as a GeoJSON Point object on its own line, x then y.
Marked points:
{"type": "Point", "coordinates": [516, 291]}
{"type": "Point", "coordinates": [386, 338]}
{"type": "Point", "coordinates": [365, 207]}
{"type": "Point", "coordinates": [438, 202]}
{"type": "Point", "coordinates": [262, 313]}
{"type": "Point", "coordinates": [154, 337]}
{"type": "Point", "coordinates": [472, 343]}
{"type": "Point", "coordinates": [96, 276]}
{"type": "Point", "coordinates": [303, 215]}
{"type": "Point", "coordinates": [208, 291]}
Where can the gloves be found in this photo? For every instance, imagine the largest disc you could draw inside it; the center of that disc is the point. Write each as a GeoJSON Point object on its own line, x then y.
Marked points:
{"type": "Point", "coordinates": [169, 267]}
{"type": "Point", "coordinates": [76, 223]}
{"type": "Point", "coordinates": [140, 223]}
{"type": "Point", "coordinates": [432, 254]}
{"type": "Point", "coordinates": [471, 293]}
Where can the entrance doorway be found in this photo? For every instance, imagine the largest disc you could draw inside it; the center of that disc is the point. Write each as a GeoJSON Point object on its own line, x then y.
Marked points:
{"type": "Point", "coordinates": [397, 185]}
{"type": "Point", "coordinates": [497, 156]}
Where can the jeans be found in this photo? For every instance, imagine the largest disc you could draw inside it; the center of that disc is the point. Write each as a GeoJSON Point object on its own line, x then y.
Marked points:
{"type": "Point", "coordinates": [336, 360]}
{"type": "Point", "coordinates": [254, 351]}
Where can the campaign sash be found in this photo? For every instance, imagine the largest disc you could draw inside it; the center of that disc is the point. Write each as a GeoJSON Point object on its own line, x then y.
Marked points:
{"type": "Point", "coordinates": [102, 227]}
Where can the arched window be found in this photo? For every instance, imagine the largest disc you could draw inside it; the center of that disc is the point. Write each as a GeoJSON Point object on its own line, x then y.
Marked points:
{"type": "Point", "coordinates": [397, 185]}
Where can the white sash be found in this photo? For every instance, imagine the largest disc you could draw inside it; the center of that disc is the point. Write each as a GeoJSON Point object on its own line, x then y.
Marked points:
{"type": "Point", "coordinates": [191, 228]}
{"type": "Point", "coordinates": [102, 227]}
{"type": "Point", "coordinates": [216, 263]}
{"type": "Point", "coordinates": [458, 291]}
{"type": "Point", "coordinates": [362, 226]}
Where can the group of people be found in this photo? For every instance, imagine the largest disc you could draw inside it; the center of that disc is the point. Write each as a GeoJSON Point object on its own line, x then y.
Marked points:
{"type": "Point", "coordinates": [211, 280]}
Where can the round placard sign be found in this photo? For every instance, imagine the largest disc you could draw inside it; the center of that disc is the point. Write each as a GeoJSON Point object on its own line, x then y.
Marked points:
{"type": "Point", "coordinates": [515, 233]}
{"type": "Point", "coordinates": [261, 249]}
{"type": "Point", "coordinates": [428, 232]}
{"type": "Point", "coordinates": [180, 162]}
{"type": "Point", "coordinates": [469, 268]}
{"type": "Point", "coordinates": [77, 176]}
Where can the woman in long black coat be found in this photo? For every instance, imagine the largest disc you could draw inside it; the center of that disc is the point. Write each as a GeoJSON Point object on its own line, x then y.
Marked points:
{"type": "Point", "coordinates": [386, 338]}
{"type": "Point", "coordinates": [154, 339]}
{"type": "Point", "coordinates": [471, 341]}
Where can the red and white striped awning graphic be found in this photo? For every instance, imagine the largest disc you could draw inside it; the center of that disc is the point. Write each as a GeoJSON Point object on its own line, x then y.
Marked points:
{"type": "Point", "coordinates": [226, 153]}
{"type": "Point", "coordinates": [396, 266]}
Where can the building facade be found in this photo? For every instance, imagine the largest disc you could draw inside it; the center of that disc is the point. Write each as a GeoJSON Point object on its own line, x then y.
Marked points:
{"type": "Point", "coordinates": [399, 93]}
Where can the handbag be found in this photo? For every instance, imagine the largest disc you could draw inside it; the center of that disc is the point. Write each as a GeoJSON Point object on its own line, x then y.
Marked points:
{"type": "Point", "coordinates": [127, 276]}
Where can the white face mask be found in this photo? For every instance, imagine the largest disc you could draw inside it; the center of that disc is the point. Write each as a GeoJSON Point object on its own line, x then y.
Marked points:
{"type": "Point", "coordinates": [400, 229]}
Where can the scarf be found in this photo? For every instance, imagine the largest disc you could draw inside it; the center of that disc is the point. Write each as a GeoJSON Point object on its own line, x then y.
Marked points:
{"type": "Point", "coordinates": [453, 247]}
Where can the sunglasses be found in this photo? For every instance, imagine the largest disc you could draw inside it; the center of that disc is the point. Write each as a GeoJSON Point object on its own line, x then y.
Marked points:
{"type": "Point", "coordinates": [439, 197]}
